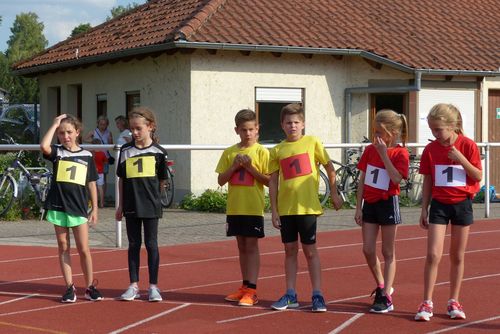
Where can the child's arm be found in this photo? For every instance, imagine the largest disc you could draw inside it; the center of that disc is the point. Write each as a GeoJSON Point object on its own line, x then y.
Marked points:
{"type": "Point", "coordinates": [426, 199]}
{"type": "Point", "coordinates": [472, 171]}
{"type": "Point", "coordinates": [224, 178]}
{"type": "Point", "coordinates": [93, 199]}
{"type": "Point", "coordinates": [381, 148]}
{"type": "Point", "coordinates": [119, 208]}
{"type": "Point", "coordinates": [358, 215]}
{"type": "Point", "coordinates": [330, 171]}
{"type": "Point", "coordinates": [47, 139]}
{"type": "Point", "coordinates": [273, 197]}
{"type": "Point", "coordinates": [246, 162]}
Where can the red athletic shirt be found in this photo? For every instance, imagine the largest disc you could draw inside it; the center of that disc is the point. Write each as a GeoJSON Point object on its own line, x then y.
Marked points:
{"type": "Point", "coordinates": [450, 184]}
{"type": "Point", "coordinates": [100, 159]}
{"type": "Point", "coordinates": [378, 185]}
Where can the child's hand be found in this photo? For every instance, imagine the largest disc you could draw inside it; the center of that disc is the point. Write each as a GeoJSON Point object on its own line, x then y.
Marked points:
{"type": "Point", "coordinates": [246, 161]}
{"type": "Point", "coordinates": [337, 201]}
{"type": "Point", "coordinates": [455, 154]}
{"type": "Point", "coordinates": [380, 146]}
{"type": "Point", "coordinates": [358, 217]}
{"type": "Point", "coordinates": [92, 219]}
{"type": "Point", "coordinates": [424, 220]}
{"type": "Point", "coordinates": [275, 218]}
{"type": "Point", "coordinates": [58, 119]}
{"type": "Point", "coordinates": [119, 213]}
{"type": "Point", "coordinates": [237, 161]}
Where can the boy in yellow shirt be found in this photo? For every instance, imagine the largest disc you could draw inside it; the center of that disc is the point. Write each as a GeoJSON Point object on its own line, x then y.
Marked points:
{"type": "Point", "coordinates": [243, 166]}
{"type": "Point", "coordinates": [294, 201]}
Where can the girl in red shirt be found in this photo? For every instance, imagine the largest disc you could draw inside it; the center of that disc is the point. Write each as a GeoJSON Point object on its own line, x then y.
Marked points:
{"type": "Point", "coordinates": [451, 166]}
{"type": "Point", "coordinates": [382, 165]}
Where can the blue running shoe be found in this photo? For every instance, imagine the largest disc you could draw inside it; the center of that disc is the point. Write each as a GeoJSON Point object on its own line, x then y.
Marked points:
{"type": "Point", "coordinates": [287, 301]}
{"type": "Point", "coordinates": [318, 303]}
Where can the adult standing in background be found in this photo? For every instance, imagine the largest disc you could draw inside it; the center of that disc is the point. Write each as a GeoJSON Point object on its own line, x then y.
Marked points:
{"type": "Point", "coordinates": [125, 135]}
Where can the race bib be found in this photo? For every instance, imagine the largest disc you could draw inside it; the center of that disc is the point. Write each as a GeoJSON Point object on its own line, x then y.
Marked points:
{"type": "Point", "coordinates": [449, 176]}
{"type": "Point", "coordinates": [377, 177]}
{"type": "Point", "coordinates": [143, 166]}
{"type": "Point", "coordinates": [242, 177]}
{"type": "Point", "coordinates": [71, 172]}
{"type": "Point", "coordinates": [296, 165]}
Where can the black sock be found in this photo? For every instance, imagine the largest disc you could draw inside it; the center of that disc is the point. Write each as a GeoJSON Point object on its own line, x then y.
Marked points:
{"type": "Point", "coordinates": [252, 286]}
{"type": "Point", "coordinates": [245, 282]}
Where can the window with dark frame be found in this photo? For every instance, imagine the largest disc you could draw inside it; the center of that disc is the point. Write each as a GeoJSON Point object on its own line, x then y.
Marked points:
{"type": "Point", "coordinates": [133, 99]}
{"type": "Point", "coordinates": [102, 105]}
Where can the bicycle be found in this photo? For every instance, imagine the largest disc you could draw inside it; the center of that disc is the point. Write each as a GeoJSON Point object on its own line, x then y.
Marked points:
{"type": "Point", "coordinates": [167, 192]}
{"type": "Point", "coordinates": [409, 185]}
{"type": "Point", "coordinates": [39, 178]}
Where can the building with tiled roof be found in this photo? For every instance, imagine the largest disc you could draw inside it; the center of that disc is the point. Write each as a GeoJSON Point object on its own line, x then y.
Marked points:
{"type": "Point", "coordinates": [197, 62]}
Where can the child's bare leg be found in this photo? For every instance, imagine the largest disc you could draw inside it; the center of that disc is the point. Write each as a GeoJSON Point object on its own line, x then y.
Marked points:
{"type": "Point", "coordinates": [63, 245]}
{"type": "Point", "coordinates": [370, 233]}
{"type": "Point", "coordinates": [81, 234]}
{"type": "Point", "coordinates": [459, 237]}
{"type": "Point", "coordinates": [291, 251]}
{"type": "Point", "coordinates": [435, 241]}
{"type": "Point", "coordinates": [313, 264]}
{"type": "Point", "coordinates": [389, 253]}
{"type": "Point", "coordinates": [248, 248]}
{"type": "Point", "coordinates": [100, 190]}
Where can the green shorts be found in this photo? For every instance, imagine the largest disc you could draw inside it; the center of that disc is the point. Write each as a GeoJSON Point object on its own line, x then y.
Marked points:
{"type": "Point", "coordinates": [63, 219]}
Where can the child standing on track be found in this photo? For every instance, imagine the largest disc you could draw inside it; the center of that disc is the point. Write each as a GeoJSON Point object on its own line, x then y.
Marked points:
{"type": "Point", "coordinates": [67, 201]}
{"type": "Point", "coordinates": [100, 160]}
{"type": "Point", "coordinates": [452, 170]}
{"type": "Point", "coordinates": [293, 189]}
{"type": "Point", "coordinates": [243, 167]}
{"type": "Point", "coordinates": [383, 165]}
{"type": "Point", "coordinates": [142, 171]}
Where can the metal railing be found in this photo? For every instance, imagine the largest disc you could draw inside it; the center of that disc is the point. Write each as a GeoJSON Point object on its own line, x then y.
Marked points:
{"type": "Point", "coordinates": [484, 146]}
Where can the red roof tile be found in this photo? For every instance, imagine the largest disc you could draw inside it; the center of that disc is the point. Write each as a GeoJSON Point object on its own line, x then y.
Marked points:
{"type": "Point", "coordinates": [424, 34]}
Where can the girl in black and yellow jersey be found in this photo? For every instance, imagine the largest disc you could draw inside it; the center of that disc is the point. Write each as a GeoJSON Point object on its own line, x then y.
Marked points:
{"type": "Point", "coordinates": [142, 171]}
{"type": "Point", "coordinates": [67, 203]}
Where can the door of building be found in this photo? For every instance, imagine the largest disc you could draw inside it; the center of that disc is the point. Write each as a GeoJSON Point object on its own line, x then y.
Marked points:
{"type": "Point", "coordinates": [494, 136]}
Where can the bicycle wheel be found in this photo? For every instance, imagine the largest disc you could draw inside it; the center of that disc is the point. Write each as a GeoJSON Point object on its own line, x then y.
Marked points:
{"type": "Point", "coordinates": [413, 189]}
{"type": "Point", "coordinates": [167, 192]}
{"type": "Point", "coordinates": [7, 193]}
{"type": "Point", "coordinates": [324, 188]}
{"type": "Point", "coordinates": [342, 182]}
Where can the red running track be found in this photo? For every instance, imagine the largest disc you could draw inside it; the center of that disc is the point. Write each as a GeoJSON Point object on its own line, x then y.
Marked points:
{"type": "Point", "coordinates": [196, 277]}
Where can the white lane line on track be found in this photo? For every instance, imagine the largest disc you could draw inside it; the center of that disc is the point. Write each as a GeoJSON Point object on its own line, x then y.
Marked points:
{"type": "Point", "coordinates": [467, 324]}
{"type": "Point", "coordinates": [56, 256]}
{"type": "Point", "coordinates": [143, 321]}
{"type": "Point", "coordinates": [24, 296]}
{"type": "Point", "coordinates": [42, 308]}
{"type": "Point", "coordinates": [347, 323]}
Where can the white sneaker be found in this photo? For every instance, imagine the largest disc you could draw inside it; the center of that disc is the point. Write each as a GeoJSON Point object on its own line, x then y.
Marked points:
{"type": "Point", "coordinates": [130, 294]}
{"type": "Point", "coordinates": [455, 310]}
{"type": "Point", "coordinates": [424, 312]}
{"type": "Point", "coordinates": [154, 295]}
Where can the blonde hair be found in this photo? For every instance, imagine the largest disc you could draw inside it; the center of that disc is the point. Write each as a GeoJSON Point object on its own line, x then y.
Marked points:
{"type": "Point", "coordinates": [148, 115]}
{"type": "Point", "coordinates": [393, 123]}
{"type": "Point", "coordinates": [292, 109]}
{"type": "Point", "coordinates": [245, 115]}
{"type": "Point", "coordinates": [448, 114]}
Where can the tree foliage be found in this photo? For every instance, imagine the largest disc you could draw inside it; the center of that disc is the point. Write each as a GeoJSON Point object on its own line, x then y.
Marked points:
{"type": "Point", "coordinates": [79, 29]}
{"type": "Point", "coordinates": [119, 10]}
{"type": "Point", "coordinates": [26, 40]}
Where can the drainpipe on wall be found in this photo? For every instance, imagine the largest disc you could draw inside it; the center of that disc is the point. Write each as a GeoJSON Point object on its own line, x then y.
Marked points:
{"type": "Point", "coordinates": [367, 90]}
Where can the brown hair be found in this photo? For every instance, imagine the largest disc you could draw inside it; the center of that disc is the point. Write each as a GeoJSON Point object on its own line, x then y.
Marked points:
{"type": "Point", "coordinates": [292, 109]}
{"type": "Point", "coordinates": [449, 114]}
{"type": "Point", "coordinates": [123, 120]}
{"type": "Point", "coordinates": [73, 121]}
{"type": "Point", "coordinates": [393, 123]}
{"type": "Point", "coordinates": [146, 113]}
{"type": "Point", "coordinates": [245, 115]}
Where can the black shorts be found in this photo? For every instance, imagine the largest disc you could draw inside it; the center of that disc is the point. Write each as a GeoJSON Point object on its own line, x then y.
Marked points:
{"type": "Point", "coordinates": [245, 226]}
{"type": "Point", "coordinates": [458, 214]}
{"type": "Point", "coordinates": [303, 225]}
{"type": "Point", "coordinates": [383, 212]}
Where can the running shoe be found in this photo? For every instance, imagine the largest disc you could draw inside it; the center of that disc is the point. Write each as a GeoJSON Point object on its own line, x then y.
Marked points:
{"type": "Point", "coordinates": [154, 295]}
{"type": "Point", "coordinates": [131, 294]}
{"type": "Point", "coordinates": [424, 312]}
{"type": "Point", "coordinates": [249, 298]}
{"type": "Point", "coordinates": [286, 301]}
{"type": "Point", "coordinates": [91, 293]}
{"type": "Point", "coordinates": [70, 295]}
{"type": "Point", "coordinates": [236, 296]}
{"type": "Point", "coordinates": [318, 303]}
{"type": "Point", "coordinates": [382, 305]}
{"type": "Point", "coordinates": [455, 310]}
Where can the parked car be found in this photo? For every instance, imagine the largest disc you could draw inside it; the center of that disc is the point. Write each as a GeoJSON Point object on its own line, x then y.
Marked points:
{"type": "Point", "coordinates": [18, 121]}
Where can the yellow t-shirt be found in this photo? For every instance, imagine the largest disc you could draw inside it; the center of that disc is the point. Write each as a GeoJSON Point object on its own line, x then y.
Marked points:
{"type": "Point", "coordinates": [245, 195]}
{"type": "Point", "coordinates": [298, 166]}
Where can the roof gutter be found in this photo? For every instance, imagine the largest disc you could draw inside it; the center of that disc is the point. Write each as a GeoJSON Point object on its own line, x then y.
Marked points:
{"type": "Point", "coordinates": [241, 47]}
{"type": "Point", "coordinates": [368, 90]}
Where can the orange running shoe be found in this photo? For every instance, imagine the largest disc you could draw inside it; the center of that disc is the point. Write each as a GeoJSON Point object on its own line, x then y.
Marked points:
{"type": "Point", "coordinates": [236, 296]}
{"type": "Point", "coordinates": [249, 298]}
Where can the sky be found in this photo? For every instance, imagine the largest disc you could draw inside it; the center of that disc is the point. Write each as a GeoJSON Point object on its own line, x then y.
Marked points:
{"type": "Point", "coordinates": [58, 16]}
